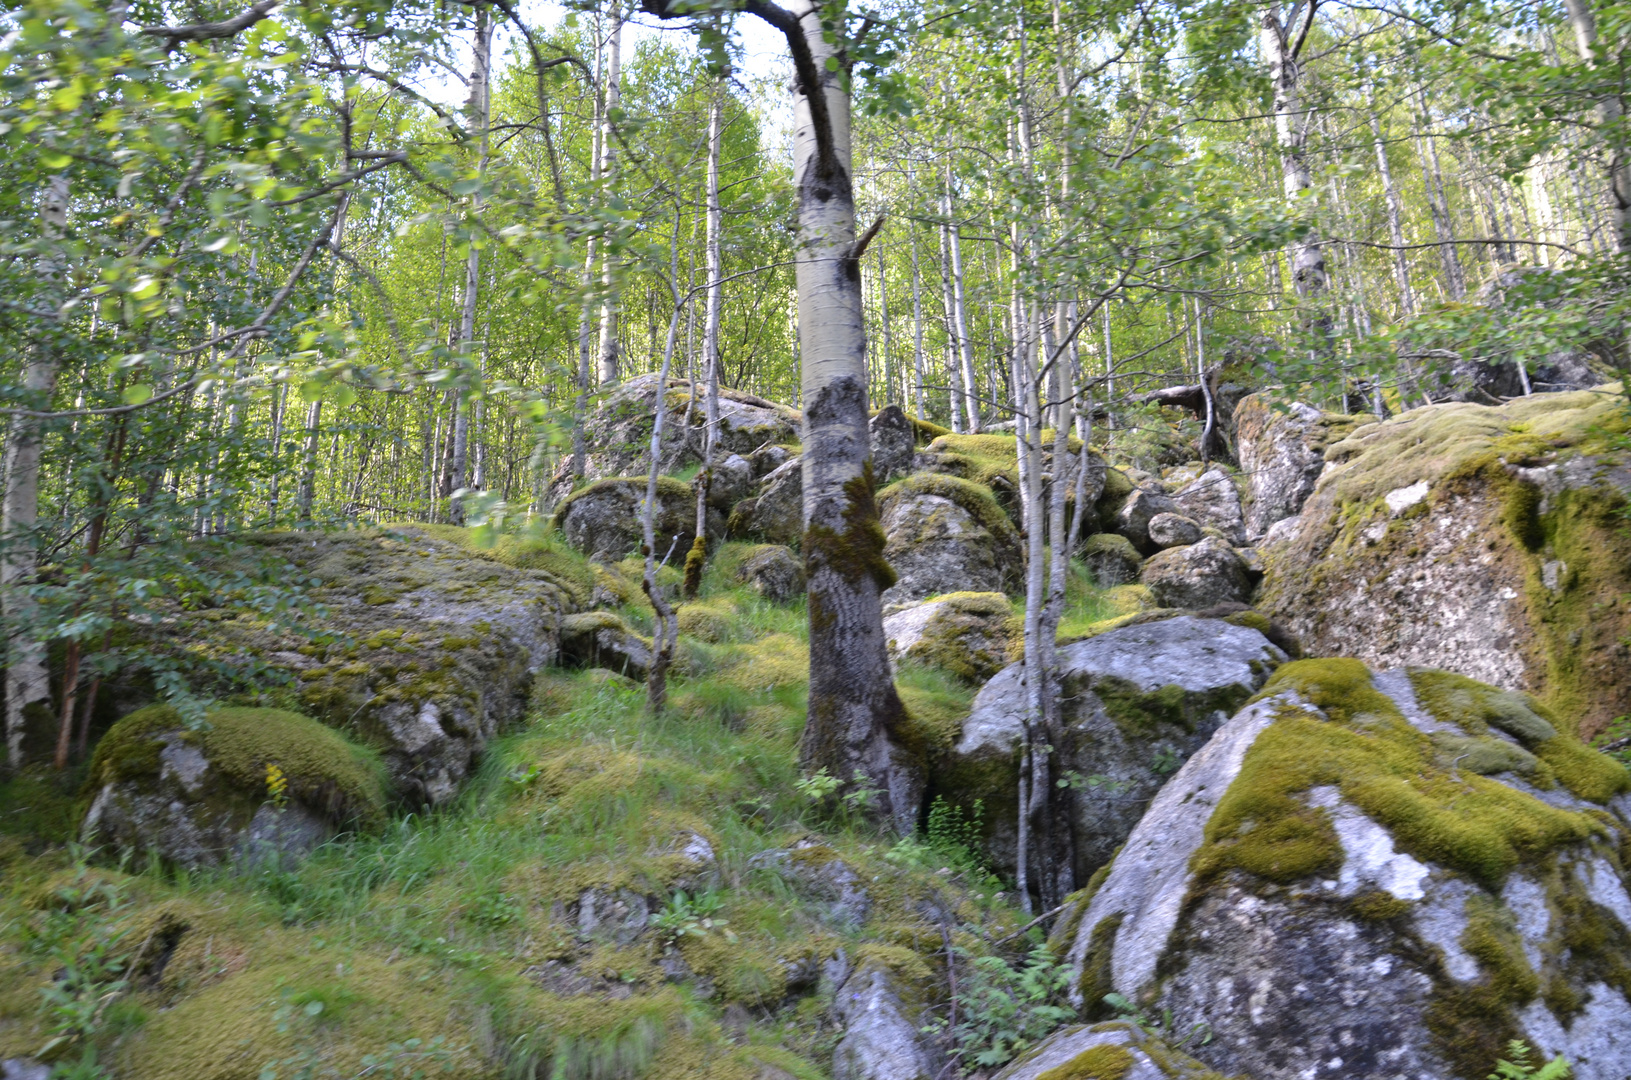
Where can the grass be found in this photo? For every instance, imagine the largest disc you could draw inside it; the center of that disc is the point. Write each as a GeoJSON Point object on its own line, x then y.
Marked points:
{"type": "Point", "coordinates": [428, 928]}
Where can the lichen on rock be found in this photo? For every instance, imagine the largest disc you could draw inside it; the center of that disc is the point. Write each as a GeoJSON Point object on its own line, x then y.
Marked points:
{"type": "Point", "coordinates": [945, 535]}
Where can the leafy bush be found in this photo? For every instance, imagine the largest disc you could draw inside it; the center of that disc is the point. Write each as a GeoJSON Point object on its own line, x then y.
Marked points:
{"type": "Point", "coordinates": [1002, 1009]}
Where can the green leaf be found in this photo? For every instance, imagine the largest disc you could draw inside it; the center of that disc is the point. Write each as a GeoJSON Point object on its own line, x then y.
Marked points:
{"type": "Point", "coordinates": [312, 390]}
{"type": "Point", "coordinates": [344, 396]}
{"type": "Point", "coordinates": [54, 159]}
{"type": "Point", "coordinates": [137, 394]}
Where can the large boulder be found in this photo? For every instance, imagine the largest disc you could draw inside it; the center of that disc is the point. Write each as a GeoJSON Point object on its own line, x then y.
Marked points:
{"type": "Point", "coordinates": [1111, 559]}
{"type": "Point", "coordinates": [617, 433]}
{"type": "Point", "coordinates": [1212, 500]}
{"type": "Point", "coordinates": [604, 519]}
{"type": "Point", "coordinates": [1173, 530]}
{"type": "Point", "coordinates": [880, 1041]}
{"type": "Point", "coordinates": [1197, 576]}
{"type": "Point", "coordinates": [242, 787]}
{"type": "Point", "coordinates": [1282, 450]}
{"type": "Point", "coordinates": [1489, 540]}
{"type": "Point", "coordinates": [946, 535]}
{"type": "Point", "coordinates": [776, 515]}
{"type": "Point", "coordinates": [733, 481]}
{"type": "Point", "coordinates": [894, 441]}
{"type": "Point", "coordinates": [968, 634]}
{"type": "Point", "coordinates": [430, 648]}
{"type": "Point", "coordinates": [1135, 702]}
{"type": "Point", "coordinates": [772, 571]}
{"type": "Point", "coordinates": [1132, 520]}
{"type": "Point", "coordinates": [600, 639]}
{"type": "Point", "coordinates": [992, 461]}
{"type": "Point", "coordinates": [1375, 876]}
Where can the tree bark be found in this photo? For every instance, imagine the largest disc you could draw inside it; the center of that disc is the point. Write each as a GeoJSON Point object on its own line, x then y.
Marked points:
{"type": "Point", "coordinates": [854, 712]}
{"type": "Point", "coordinates": [610, 360]}
{"type": "Point", "coordinates": [917, 326]}
{"type": "Point", "coordinates": [710, 349]}
{"type": "Point", "coordinates": [1610, 114]}
{"type": "Point", "coordinates": [965, 347]}
{"type": "Point", "coordinates": [479, 111]}
{"type": "Point", "coordinates": [1395, 222]}
{"type": "Point", "coordinates": [1281, 45]}
{"type": "Point", "coordinates": [27, 677]}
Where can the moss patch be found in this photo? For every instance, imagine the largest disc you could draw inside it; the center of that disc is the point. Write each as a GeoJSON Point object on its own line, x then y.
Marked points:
{"type": "Point", "coordinates": [974, 498]}
{"type": "Point", "coordinates": [1104, 1062]}
{"type": "Point", "coordinates": [1387, 768]}
{"type": "Point", "coordinates": [325, 771]}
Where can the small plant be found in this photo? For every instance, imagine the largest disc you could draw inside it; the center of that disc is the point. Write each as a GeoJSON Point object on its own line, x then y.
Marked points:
{"type": "Point", "coordinates": [1166, 761]}
{"type": "Point", "coordinates": [819, 786]}
{"type": "Point", "coordinates": [493, 910]}
{"type": "Point", "coordinates": [696, 916]}
{"type": "Point", "coordinates": [1518, 1068]}
{"type": "Point", "coordinates": [1002, 1009]}
{"type": "Point", "coordinates": [81, 937]}
{"type": "Point", "coordinates": [1165, 1028]}
{"type": "Point", "coordinates": [1098, 783]}
{"type": "Point", "coordinates": [277, 786]}
{"type": "Point", "coordinates": [521, 779]}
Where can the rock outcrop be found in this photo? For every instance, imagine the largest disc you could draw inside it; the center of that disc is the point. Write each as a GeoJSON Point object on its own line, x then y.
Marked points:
{"type": "Point", "coordinates": [773, 571]}
{"type": "Point", "coordinates": [1111, 559]}
{"type": "Point", "coordinates": [618, 432]}
{"type": "Point", "coordinates": [1133, 518]}
{"type": "Point", "coordinates": [1173, 530]}
{"type": "Point", "coordinates": [968, 634]}
{"type": "Point", "coordinates": [894, 442]}
{"type": "Point", "coordinates": [776, 514]}
{"type": "Point", "coordinates": [1281, 455]}
{"type": "Point", "coordinates": [604, 519]}
{"type": "Point", "coordinates": [602, 640]}
{"type": "Point", "coordinates": [1135, 703]}
{"type": "Point", "coordinates": [1197, 576]}
{"type": "Point", "coordinates": [1486, 540]}
{"type": "Point", "coordinates": [1375, 876]}
{"type": "Point", "coordinates": [246, 786]}
{"type": "Point", "coordinates": [433, 647]}
{"type": "Point", "coordinates": [1212, 500]}
{"type": "Point", "coordinates": [946, 535]}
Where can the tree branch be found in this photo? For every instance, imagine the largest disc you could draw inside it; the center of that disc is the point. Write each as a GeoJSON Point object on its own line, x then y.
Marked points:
{"type": "Point", "coordinates": [211, 31]}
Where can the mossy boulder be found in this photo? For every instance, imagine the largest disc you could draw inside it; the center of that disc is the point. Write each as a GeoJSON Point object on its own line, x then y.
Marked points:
{"type": "Point", "coordinates": [1173, 530]}
{"type": "Point", "coordinates": [883, 1038]}
{"type": "Point", "coordinates": [430, 647]}
{"type": "Point", "coordinates": [1133, 517]}
{"type": "Point", "coordinates": [893, 441]}
{"type": "Point", "coordinates": [601, 639]}
{"type": "Point", "coordinates": [1196, 576]}
{"type": "Point", "coordinates": [1282, 450]}
{"type": "Point", "coordinates": [1111, 559]}
{"type": "Point", "coordinates": [968, 634]}
{"type": "Point", "coordinates": [1134, 703]}
{"type": "Point", "coordinates": [1116, 1050]}
{"type": "Point", "coordinates": [617, 432]}
{"type": "Point", "coordinates": [992, 460]}
{"type": "Point", "coordinates": [772, 571]}
{"type": "Point", "coordinates": [1488, 540]}
{"type": "Point", "coordinates": [776, 513]}
{"type": "Point", "coordinates": [1335, 876]}
{"type": "Point", "coordinates": [604, 520]}
{"type": "Point", "coordinates": [247, 784]}
{"type": "Point", "coordinates": [1213, 501]}
{"type": "Point", "coordinates": [946, 535]}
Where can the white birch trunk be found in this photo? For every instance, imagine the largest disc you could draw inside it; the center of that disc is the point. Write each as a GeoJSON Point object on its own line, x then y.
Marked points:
{"type": "Point", "coordinates": [1308, 274]}
{"type": "Point", "coordinates": [478, 110]}
{"type": "Point", "coordinates": [610, 360]}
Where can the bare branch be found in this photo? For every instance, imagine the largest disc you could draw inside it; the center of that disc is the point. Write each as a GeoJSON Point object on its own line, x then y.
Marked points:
{"type": "Point", "coordinates": [212, 31]}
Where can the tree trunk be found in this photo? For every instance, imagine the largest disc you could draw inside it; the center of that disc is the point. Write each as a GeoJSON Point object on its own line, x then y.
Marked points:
{"type": "Point", "coordinates": [965, 346]}
{"type": "Point", "coordinates": [478, 111]}
{"type": "Point", "coordinates": [610, 360]}
{"type": "Point", "coordinates": [917, 326]}
{"type": "Point", "coordinates": [308, 467]}
{"type": "Point", "coordinates": [1395, 222]}
{"type": "Point", "coordinates": [1610, 114]}
{"type": "Point", "coordinates": [854, 711]}
{"type": "Point", "coordinates": [954, 380]}
{"type": "Point", "coordinates": [710, 349]}
{"type": "Point", "coordinates": [27, 677]}
{"type": "Point", "coordinates": [890, 392]}
{"type": "Point", "coordinates": [1432, 178]}
{"type": "Point", "coordinates": [1281, 44]}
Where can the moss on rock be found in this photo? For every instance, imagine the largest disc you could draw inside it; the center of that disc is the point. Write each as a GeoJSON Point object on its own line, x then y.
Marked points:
{"type": "Point", "coordinates": [1103, 1062]}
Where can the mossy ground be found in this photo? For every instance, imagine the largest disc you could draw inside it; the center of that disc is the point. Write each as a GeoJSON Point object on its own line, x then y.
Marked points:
{"type": "Point", "coordinates": [439, 924]}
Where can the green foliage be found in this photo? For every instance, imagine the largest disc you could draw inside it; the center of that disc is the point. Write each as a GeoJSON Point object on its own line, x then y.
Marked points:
{"type": "Point", "coordinates": [1516, 1065]}
{"type": "Point", "coordinates": [83, 940]}
{"type": "Point", "coordinates": [696, 916]}
{"type": "Point", "coordinates": [1002, 1009]}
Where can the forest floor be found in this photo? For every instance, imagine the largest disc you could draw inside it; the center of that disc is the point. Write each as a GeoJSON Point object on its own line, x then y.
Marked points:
{"type": "Point", "coordinates": [614, 894]}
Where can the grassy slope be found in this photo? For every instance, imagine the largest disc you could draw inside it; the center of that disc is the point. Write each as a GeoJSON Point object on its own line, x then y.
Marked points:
{"type": "Point", "coordinates": [455, 926]}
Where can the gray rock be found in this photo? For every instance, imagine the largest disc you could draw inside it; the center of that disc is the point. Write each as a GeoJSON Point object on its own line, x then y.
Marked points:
{"type": "Point", "coordinates": [201, 798]}
{"type": "Point", "coordinates": [601, 639]}
{"type": "Point", "coordinates": [616, 915]}
{"type": "Point", "coordinates": [893, 443]}
{"type": "Point", "coordinates": [1282, 454]}
{"type": "Point", "coordinates": [817, 873]}
{"type": "Point", "coordinates": [946, 535]}
{"type": "Point", "coordinates": [966, 634]}
{"type": "Point", "coordinates": [879, 1042]}
{"type": "Point", "coordinates": [777, 514]}
{"type": "Point", "coordinates": [768, 458]}
{"type": "Point", "coordinates": [1173, 530]}
{"type": "Point", "coordinates": [1111, 559]}
{"type": "Point", "coordinates": [1361, 967]}
{"type": "Point", "coordinates": [773, 571]}
{"type": "Point", "coordinates": [439, 645]}
{"type": "Point", "coordinates": [618, 431]}
{"type": "Point", "coordinates": [1197, 576]}
{"type": "Point", "coordinates": [604, 519]}
{"type": "Point", "coordinates": [733, 481]}
{"type": "Point", "coordinates": [1133, 519]}
{"type": "Point", "coordinates": [1212, 500]}
{"type": "Point", "coordinates": [1135, 703]}
{"type": "Point", "coordinates": [1093, 1050]}
{"type": "Point", "coordinates": [24, 1069]}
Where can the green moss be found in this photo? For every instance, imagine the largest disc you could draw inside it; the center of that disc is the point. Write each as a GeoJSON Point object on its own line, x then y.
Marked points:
{"type": "Point", "coordinates": [668, 490]}
{"type": "Point", "coordinates": [926, 431]}
{"type": "Point", "coordinates": [710, 620]}
{"type": "Point", "coordinates": [973, 498]}
{"type": "Point", "coordinates": [1492, 939]}
{"type": "Point", "coordinates": [694, 561]}
{"type": "Point", "coordinates": [1378, 906]}
{"type": "Point", "coordinates": [1139, 714]}
{"type": "Point", "coordinates": [1103, 1062]}
{"type": "Point", "coordinates": [970, 635]}
{"type": "Point", "coordinates": [1384, 766]}
{"type": "Point", "coordinates": [325, 771]}
{"type": "Point", "coordinates": [1097, 981]}
{"type": "Point", "coordinates": [935, 712]}
{"type": "Point", "coordinates": [1476, 707]}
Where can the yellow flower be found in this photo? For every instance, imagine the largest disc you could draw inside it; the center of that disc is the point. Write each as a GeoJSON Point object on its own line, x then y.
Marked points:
{"type": "Point", "coordinates": [277, 786]}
